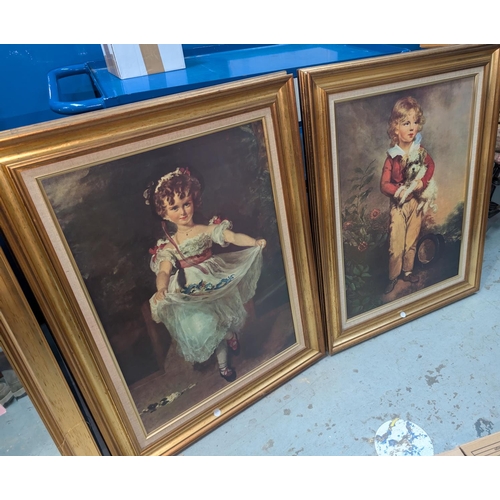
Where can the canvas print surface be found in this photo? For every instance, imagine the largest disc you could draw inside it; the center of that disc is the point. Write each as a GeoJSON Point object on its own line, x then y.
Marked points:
{"type": "Point", "coordinates": [179, 251]}
{"type": "Point", "coordinates": [403, 160]}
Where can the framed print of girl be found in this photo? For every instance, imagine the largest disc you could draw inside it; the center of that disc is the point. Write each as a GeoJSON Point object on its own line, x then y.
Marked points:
{"type": "Point", "coordinates": [200, 297]}
{"type": "Point", "coordinates": [152, 337]}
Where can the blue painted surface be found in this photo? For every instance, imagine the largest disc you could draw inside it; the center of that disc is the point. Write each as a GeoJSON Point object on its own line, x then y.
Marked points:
{"type": "Point", "coordinates": [220, 66]}
{"type": "Point", "coordinates": [400, 437]}
{"type": "Point", "coordinates": [25, 88]}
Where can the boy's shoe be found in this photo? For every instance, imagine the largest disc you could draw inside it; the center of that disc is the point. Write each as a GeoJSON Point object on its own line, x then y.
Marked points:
{"type": "Point", "coordinates": [390, 286]}
{"type": "Point", "coordinates": [409, 277]}
{"type": "Point", "coordinates": [6, 396]}
{"type": "Point", "coordinates": [14, 384]}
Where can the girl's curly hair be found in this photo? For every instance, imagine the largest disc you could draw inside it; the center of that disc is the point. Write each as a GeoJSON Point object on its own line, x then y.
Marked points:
{"type": "Point", "coordinates": [183, 185]}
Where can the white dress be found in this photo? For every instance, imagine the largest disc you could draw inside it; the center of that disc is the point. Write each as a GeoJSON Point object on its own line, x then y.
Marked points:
{"type": "Point", "coordinates": [210, 305]}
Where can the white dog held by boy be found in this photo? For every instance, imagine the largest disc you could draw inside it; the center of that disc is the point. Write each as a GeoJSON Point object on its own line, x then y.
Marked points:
{"type": "Point", "coordinates": [414, 171]}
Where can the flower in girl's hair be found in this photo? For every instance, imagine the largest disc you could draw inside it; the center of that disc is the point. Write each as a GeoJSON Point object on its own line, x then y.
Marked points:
{"type": "Point", "coordinates": [170, 175]}
{"type": "Point", "coordinates": [215, 220]}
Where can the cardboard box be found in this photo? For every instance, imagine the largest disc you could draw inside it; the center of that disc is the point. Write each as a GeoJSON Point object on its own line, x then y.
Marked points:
{"type": "Point", "coordinates": [488, 446]}
{"type": "Point", "coordinates": [132, 60]}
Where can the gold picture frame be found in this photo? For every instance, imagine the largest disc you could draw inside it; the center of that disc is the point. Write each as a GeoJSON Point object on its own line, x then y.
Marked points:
{"type": "Point", "coordinates": [74, 208]}
{"type": "Point", "coordinates": [29, 353]}
{"type": "Point", "coordinates": [389, 250]}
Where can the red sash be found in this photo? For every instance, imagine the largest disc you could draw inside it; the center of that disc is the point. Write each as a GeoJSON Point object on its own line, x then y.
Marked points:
{"type": "Point", "coordinates": [196, 259]}
{"type": "Point", "coordinates": [191, 261]}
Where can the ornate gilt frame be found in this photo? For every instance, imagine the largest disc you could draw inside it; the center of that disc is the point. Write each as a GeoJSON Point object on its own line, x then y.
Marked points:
{"type": "Point", "coordinates": [26, 215]}
{"type": "Point", "coordinates": [31, 357]}
{"type": "Point", "coordinates": [333, 96]}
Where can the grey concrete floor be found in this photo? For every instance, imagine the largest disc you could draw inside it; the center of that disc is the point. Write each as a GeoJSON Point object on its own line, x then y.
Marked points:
{"type": "Point", "coordinates": [22, 432]}
{"type": "Point", "coordinates": [441, 372]}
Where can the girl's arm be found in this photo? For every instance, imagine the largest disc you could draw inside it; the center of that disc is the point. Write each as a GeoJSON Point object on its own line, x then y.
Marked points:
{"type": "Point", "coordinates": [162, 279]}
{"type": "Point", "coordinates": [242, 240]}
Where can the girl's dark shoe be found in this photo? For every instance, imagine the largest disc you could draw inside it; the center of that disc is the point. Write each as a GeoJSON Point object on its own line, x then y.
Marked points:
{"type": "Point", "coordinates": [234, 344]}
{"type": "Point", "coordinates": [229, 374]}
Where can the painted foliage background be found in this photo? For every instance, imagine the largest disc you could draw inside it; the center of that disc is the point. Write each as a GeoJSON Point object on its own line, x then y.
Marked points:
{"type": "Point", "coordinates": [110, 229]}
{"type": "Point", "coordinates": [362, 142]}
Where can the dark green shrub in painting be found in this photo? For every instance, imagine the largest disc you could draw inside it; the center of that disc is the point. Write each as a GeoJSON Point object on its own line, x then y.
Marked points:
{"type": "Point", "coordinates": [364, 233]}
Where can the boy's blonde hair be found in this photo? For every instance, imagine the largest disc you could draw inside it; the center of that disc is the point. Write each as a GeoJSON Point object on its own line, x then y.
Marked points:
{"type": "Point", "coordinates": [400, 112]}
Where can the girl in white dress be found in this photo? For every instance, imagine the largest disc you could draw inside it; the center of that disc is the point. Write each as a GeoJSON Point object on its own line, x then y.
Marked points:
{"type": "Point", "coordinates": [200, 297]}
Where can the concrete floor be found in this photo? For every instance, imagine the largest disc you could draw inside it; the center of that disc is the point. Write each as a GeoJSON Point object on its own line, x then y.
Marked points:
{"type": "Point", "coordinates": [22, 432]}
{"type": "Point", "coordinates": [440, 372]}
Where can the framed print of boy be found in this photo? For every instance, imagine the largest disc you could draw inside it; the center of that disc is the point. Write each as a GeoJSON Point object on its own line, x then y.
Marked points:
{"type": "Point", "coordinates": [200, 296]}
{"type": "Point", "coordinates": [407, 179]}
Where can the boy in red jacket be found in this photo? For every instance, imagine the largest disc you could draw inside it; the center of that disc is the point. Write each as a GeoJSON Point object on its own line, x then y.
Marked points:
{"type": "Point", "coordinates": [405, 124]}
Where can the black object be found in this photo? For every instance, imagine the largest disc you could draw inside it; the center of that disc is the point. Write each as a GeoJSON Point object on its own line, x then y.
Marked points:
{"type": "Point", "coordinates": [230, 377]}
{"type": "Point", "coordinates": [494, 207]}
{"type": "Point", "coordinates": [429, 249]}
